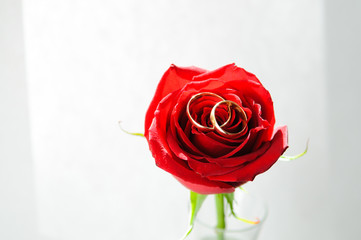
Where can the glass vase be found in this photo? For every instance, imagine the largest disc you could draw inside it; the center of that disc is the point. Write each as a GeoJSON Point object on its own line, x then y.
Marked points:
{"type": "Point", "coordinates": [247, 206]}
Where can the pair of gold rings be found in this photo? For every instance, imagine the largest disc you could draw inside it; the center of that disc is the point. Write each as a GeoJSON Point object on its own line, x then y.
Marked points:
{"type": "Point", "coordinates": [215, 125]}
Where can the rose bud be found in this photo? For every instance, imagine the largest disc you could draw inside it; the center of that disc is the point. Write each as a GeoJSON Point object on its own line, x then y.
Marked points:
{"type": "Point", "coordinates": [213, 130]}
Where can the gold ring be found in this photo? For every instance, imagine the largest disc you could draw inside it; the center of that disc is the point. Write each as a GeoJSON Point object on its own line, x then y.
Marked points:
{"type": "Point", "coordinates": [219, 128]}
{"type": "Point", "coordinates": [195, 97]}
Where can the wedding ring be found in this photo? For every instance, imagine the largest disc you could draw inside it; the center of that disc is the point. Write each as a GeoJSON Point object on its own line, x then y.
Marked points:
{"type": "Point", "coordinates": [219, 128]}
{"type": "Point", "coordinates": [197, 96]}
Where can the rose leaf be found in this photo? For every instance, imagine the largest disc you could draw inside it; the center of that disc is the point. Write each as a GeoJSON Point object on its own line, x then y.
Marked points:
{"type": "Point", "coordinates": [196, 201]}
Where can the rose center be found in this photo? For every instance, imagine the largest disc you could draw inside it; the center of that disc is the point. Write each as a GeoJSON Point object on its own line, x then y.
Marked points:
{"type": "Point", "coordinates": [211, 112]}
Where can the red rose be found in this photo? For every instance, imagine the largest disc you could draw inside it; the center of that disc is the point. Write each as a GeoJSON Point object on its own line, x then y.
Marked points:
{"type": "Point", "coordinates": [215, 152]}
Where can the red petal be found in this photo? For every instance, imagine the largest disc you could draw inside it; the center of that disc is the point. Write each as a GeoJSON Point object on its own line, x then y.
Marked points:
{"type": "Point", "coordinates": [173, 79]}
{"type": "Point", "coordinates": [203, 189]}
{"type": "Point", "coordinates": [209, 146]}
{"type": "Point", "coordinates": [206, 169]}
{"type": "Point", "coordinates": [228, 73]}
{"type": "Point", "coordinates": [179, 168]}
{"type": "Point", "coordinates": [239, 160]}
{"type": "Point", "coordinates": [249, 171]}
{"type": "Point", "coordinates": [257, 93]}
{"type": "Point", "coordinates": [171, 163]}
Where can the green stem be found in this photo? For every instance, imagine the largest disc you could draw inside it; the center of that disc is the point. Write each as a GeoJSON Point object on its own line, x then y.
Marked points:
{"type": "Point", "coordinates": [221, 224]}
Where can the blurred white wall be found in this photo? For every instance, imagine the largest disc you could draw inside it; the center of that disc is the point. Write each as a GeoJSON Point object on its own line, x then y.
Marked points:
{"type": "Point", "coordinates": [17, 197]}
{"type": "Point", "coordinates": [92, 63]}
{"type": "Point", "coordinates": [343, 59]}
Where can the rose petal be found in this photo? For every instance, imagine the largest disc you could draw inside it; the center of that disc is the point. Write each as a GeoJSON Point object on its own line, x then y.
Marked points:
{"type": "Point", "coordinates": [249, 171]}
{"type": "Point", "coordinates": [228, 73]}
{"type": "Point", "coordinates": [228, 141]}
{"type": "Point", "coordinates": [257, 93]}
{"type": "Point", "coordinates": [173, 79]}
{"type": "Point", "coordinates": [179, 111]}
{"type": "Point", "coordinates": [179, 168]}
{"type": "Point", "coordinates": [206, 169]}
{"type": "Point", "coordinates": [209, 146]}
{"type": "Point", "coordinates": [205, 189]}
{"type": "Point", "coordinates": [182, 138]}
{"type": "Point", "coordinates": [239, 160]}
{"type": "Point", "coordinates": [238, 149]}
{"type": "Point", "coordinates": [178, 150]}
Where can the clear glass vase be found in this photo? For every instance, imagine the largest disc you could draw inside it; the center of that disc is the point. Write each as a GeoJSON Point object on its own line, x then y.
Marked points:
{"type": "Point", "coordinates": [246, 206]}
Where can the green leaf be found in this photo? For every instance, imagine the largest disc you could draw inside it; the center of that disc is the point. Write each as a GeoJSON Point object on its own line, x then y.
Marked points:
{"type": "Point", "coordinates": [196, 203]}
{"type": "Point", "coordinates": [230, 201]}
{"type": "Point", "coordinates": [130, 133]}
{"type": "Point", "coordinates": [196, 200]}
{"type": "Point", "coordinates": [243, 189]}
{"type": "Point", "coordinates": [290, 158]}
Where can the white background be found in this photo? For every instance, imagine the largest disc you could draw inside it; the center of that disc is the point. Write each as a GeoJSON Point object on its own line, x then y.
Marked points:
{"type": "Point", "coordinates": [71, 69]}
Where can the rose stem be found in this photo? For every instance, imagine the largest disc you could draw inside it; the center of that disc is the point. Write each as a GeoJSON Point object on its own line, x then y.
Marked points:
{"type": "Point", "coordinates": [221, 224]}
